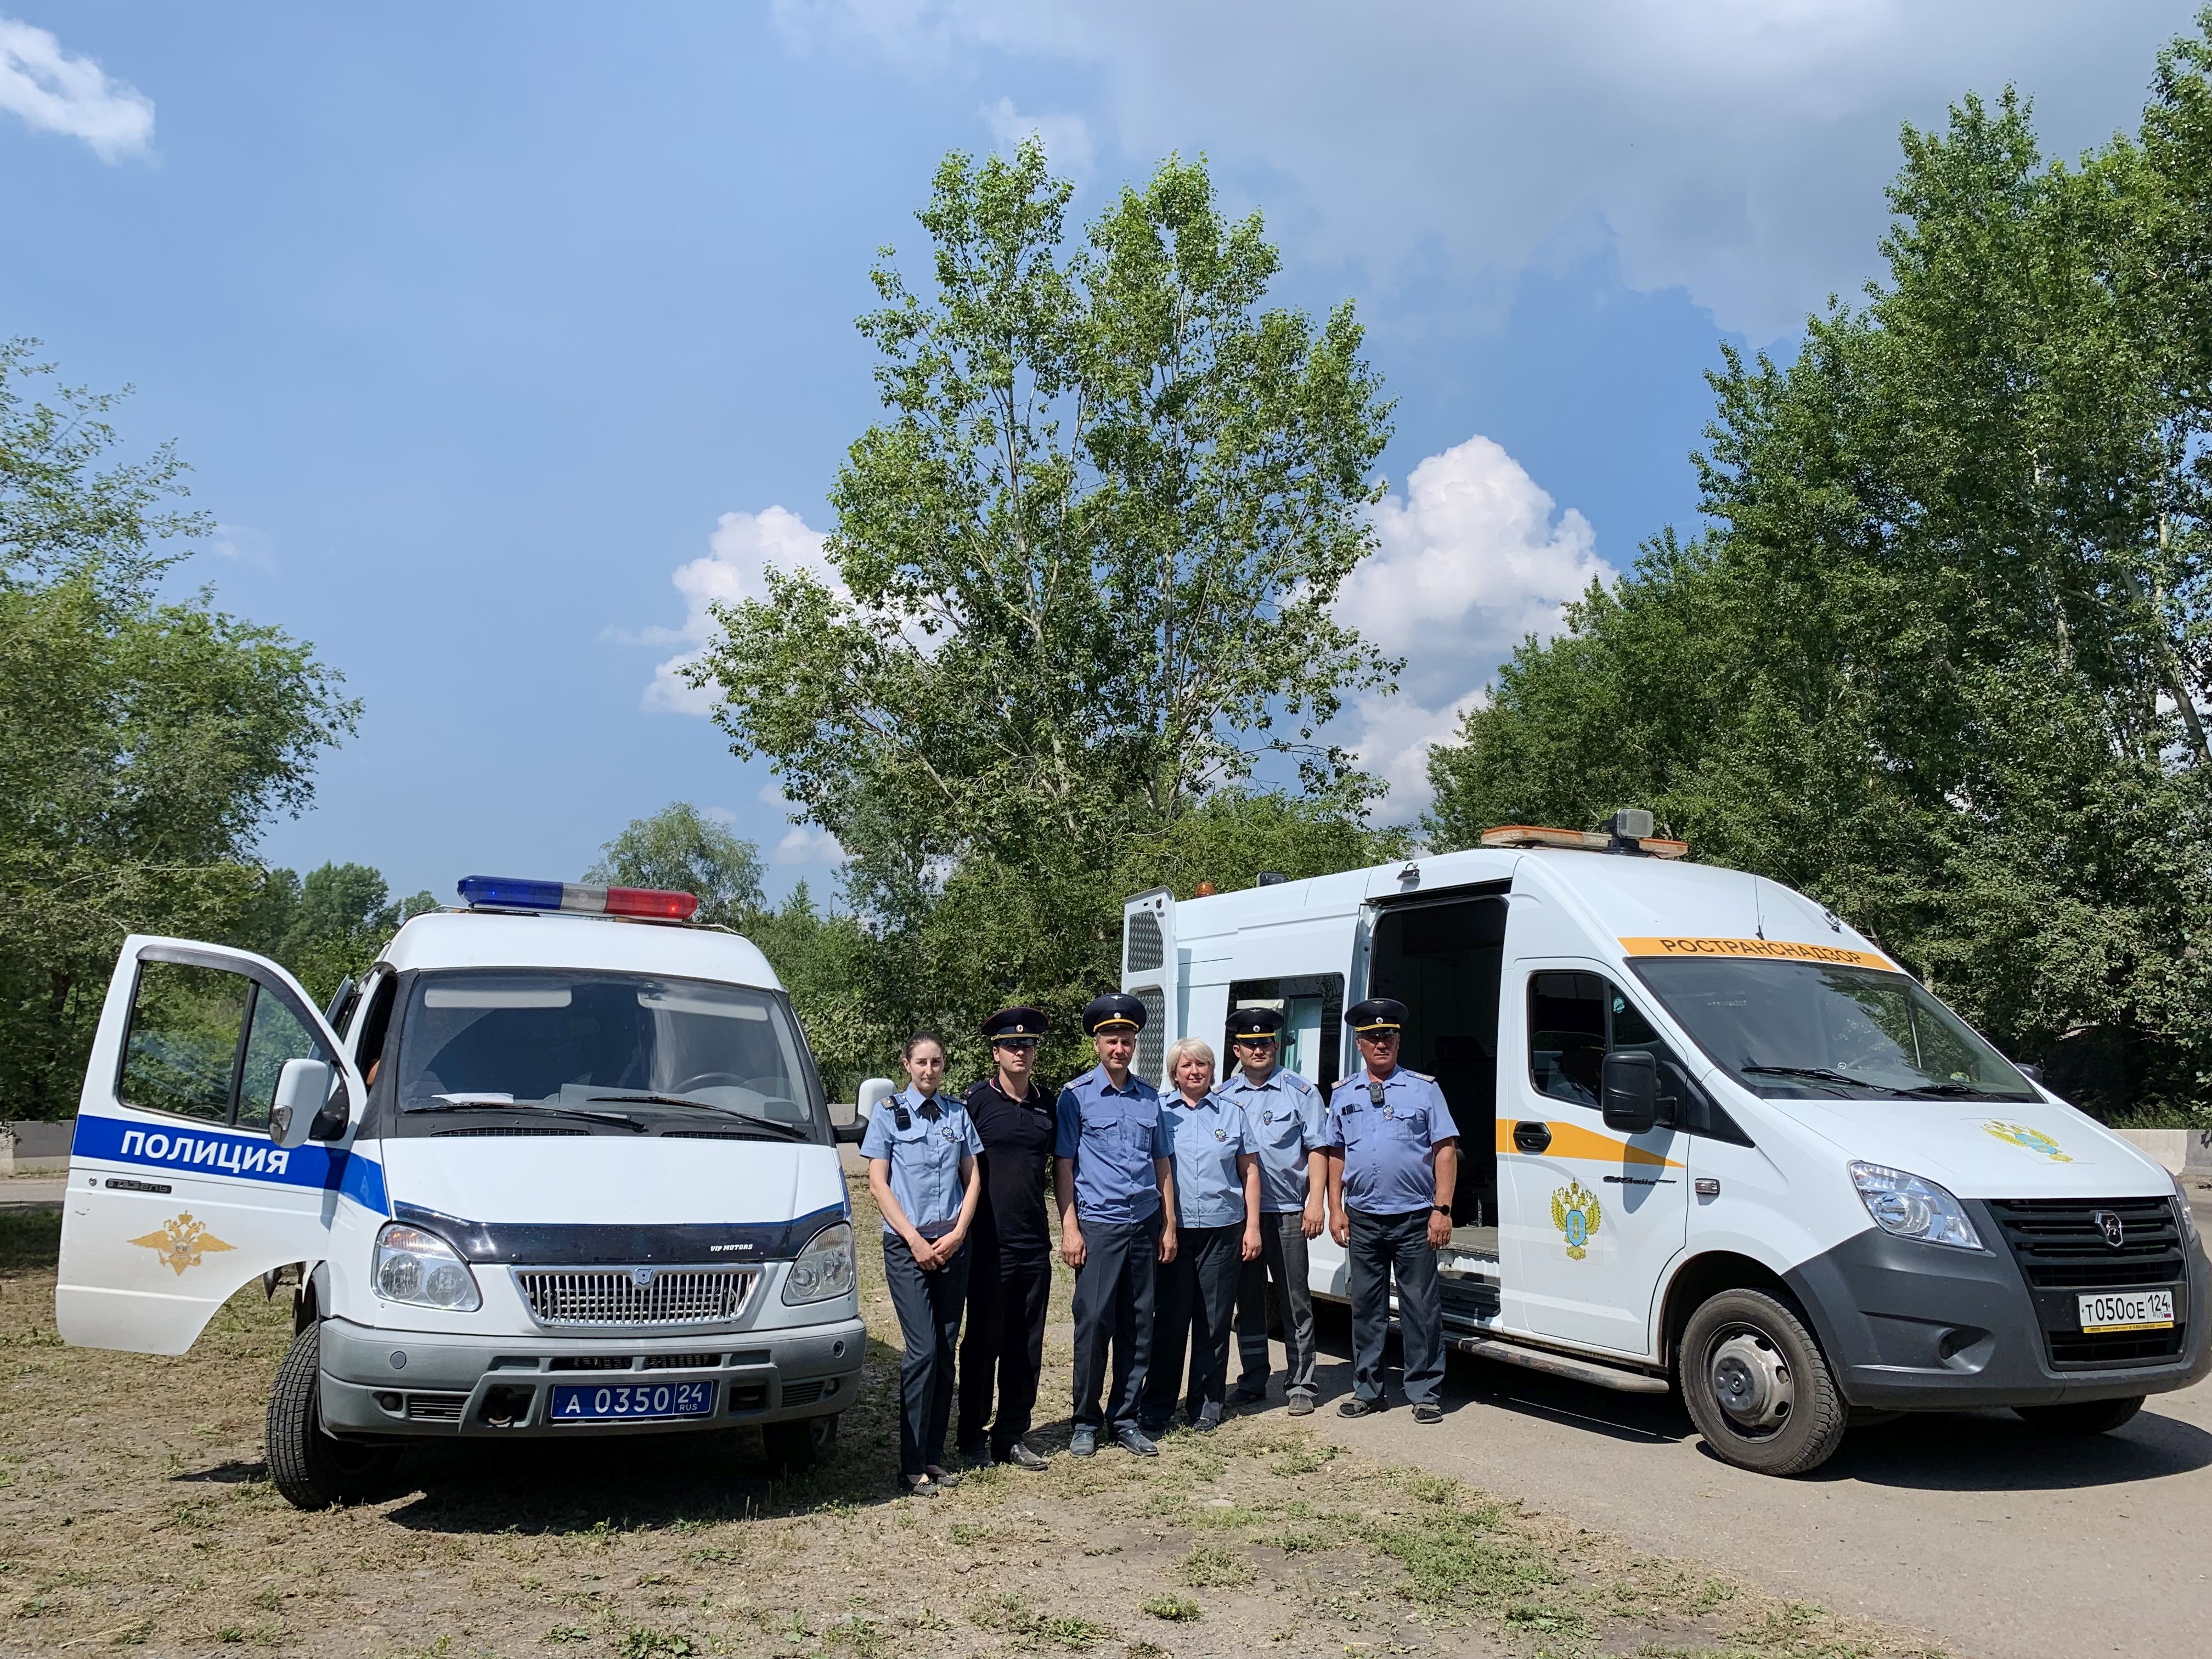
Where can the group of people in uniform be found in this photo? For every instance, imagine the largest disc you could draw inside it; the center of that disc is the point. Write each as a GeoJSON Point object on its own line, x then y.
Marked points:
{"type": "Point", "coordinates": [1178, 1207]}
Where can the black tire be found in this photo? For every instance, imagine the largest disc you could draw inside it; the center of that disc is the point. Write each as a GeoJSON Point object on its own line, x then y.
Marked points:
{"type": "Point", "coordinates": [798, 1445]}
{"type": "Point", "coordinates": [312, 1470]}
{"type": "Point", "coordinates": [1757, 1387]}
{"type": "Point", "coordinates": [2080, 1416]}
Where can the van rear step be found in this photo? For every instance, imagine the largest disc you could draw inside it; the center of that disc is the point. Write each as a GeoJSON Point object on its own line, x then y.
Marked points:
{"type": "Point", "coordinates": [1558, 1365]}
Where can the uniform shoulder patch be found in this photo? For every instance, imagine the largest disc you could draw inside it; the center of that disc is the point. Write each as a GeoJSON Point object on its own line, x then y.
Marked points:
{"type": "Point", "coordinates": [1423, 1076]}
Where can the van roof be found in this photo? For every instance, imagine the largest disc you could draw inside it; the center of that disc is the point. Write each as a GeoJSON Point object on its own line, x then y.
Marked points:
{"type": "Point", "coordinates": [478, 938]}
{"type": "Point", "coordinates": [1621, 898]}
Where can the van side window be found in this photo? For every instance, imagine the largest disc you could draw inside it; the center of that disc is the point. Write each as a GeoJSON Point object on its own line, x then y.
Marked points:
{"type": "Point", "coordinates": [1575, 1020]}
{"type": "Point", "coordinates": [181, 1052]}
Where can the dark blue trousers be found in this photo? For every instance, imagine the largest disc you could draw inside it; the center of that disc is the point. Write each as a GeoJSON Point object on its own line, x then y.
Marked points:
{"type": "Point", "coordinates": [1113, 1310]}
{"type": "Point", "coordinates": [1383, 1247]}
{"type": "Point", "coordinates": [1197, 1301]}
{"type": "Point", "coordinates": [928, 1306]}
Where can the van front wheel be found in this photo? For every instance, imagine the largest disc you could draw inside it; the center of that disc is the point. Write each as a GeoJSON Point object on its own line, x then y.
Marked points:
{"type": "Point", "coordinates": [1757, 1387]}
{"type": "Point", "coordinates": [310, 1468]}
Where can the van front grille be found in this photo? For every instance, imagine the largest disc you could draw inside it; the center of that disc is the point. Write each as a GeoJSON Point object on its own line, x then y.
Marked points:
{"type": "Point", "coordinates": [2060, 1243]}
{"type": "Point", "coordinates": [570, 1297]}
{"type": "Point", "coordinates": [436, 1408]}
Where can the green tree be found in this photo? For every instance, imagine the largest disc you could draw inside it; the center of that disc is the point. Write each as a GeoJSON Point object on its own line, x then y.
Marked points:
{"type": "Point", "coordinates": [325, 927]}
{"type": "Point", "coordinates": [1085, 572]}
{"type": "Point", "coordinates": [1940, 659]}
{"type": "Point", "coordinates": [681, 848]}
{"type": "Point", "coordinates": [144, 743]}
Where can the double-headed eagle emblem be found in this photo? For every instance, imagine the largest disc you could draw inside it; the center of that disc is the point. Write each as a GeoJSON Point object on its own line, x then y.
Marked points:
{"type": "Point", "coordinates": [182, 1242]}
{"type": "Point", "coordinates": [1576, 1213]}
{"type": "Point", "coordinates": [2033, 1141]}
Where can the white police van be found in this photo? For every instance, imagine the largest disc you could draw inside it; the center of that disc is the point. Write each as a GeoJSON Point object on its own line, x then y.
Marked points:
{"type": "Point", "coordinates": [568, 1171]}
{"type": "Point", "coordinates": [1712, 1138]}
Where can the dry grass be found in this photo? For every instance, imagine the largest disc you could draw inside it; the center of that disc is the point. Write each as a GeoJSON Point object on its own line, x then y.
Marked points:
{"type": "Point", "coordinates": [135, 1513]}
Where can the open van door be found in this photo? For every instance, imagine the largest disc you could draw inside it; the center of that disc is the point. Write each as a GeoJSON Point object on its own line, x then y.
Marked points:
{"type": "Point", "coordinates": [1150, 972]}
{"type": "Point", "coordinates": [209, 1145]}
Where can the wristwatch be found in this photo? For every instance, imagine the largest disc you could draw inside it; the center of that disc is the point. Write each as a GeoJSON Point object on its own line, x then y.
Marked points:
{"type": "Point", "coordinates": [1441, 1209]}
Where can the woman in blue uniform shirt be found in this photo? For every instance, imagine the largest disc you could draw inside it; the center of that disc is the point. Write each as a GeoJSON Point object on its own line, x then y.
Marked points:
{"type": "Point", "coordinates": [921, 1148]}
{"type": "Point", "coordinates": [1217, 1198]}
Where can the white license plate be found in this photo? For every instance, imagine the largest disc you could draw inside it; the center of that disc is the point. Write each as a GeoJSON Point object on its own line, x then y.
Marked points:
{"type": "Point", "coordinates": [590, 1403]}
{"type": "Point", "coordinates": [2128, 1310]}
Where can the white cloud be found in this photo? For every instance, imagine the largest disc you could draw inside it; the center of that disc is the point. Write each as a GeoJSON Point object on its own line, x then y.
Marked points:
{"type": "Point", "coordinates": [1067, 138]}
{"type": "Point", "coordinates": [805, 844]}
{"type": "Point", "coordinates": [1736, 147]}
{"type": "Point", "coordinates": [244, 544]}
{"type": "Point", "coordinates": [54, 92]}
{"type": "Point", "coordinates": [1473, 557]}
{"type": "Point", "coordinates": [743, 546]}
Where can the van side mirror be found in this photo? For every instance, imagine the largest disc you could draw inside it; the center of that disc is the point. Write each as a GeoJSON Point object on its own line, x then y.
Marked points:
{"type": "Point", "coordinates": [873, 1093]}
{"type": "Point", "coordinates": [1631, 1082]}
{"type": "Point", "coordinates": [301, 1088]}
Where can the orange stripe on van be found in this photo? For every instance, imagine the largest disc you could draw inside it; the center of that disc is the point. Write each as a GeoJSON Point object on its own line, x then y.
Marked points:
{"type": "Point", "coordinates": [1780, 950]}
{"type": "Point", "coordinates": [1572, 1140]}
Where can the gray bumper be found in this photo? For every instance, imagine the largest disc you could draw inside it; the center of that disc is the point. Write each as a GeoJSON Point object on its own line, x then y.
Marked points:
{"type": "Point", "coordinates": [502, 1386]}
{"type": "Point", "coordinates": [1913, 1327]}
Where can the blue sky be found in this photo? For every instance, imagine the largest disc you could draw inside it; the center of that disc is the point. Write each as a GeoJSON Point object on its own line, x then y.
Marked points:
{"type": "Point", "coordinates": [482, 325]}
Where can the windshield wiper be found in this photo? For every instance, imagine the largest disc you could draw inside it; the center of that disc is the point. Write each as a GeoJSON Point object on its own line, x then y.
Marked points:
{"type": "Point", "coordinates": [789, 1131]}
{"type": "Point", "coordinates": [1958, 1090]}
{"type": "Point", "coordinates": [488, 1105]}
{"type": "Point", "coordinates": [1816, 1073]}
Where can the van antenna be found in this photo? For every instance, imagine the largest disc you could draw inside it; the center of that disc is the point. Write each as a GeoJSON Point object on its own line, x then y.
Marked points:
{"type": "Point", "coordinates": [1757, 910]}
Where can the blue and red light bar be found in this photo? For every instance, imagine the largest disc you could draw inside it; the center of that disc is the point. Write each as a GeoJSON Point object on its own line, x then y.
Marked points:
{"type": "Point", "coordinates": [514, 893]}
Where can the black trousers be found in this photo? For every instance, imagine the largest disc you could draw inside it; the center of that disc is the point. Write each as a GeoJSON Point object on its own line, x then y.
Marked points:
{"type": "Point", "coordinates": [1282, 1258]}
{"type": "Point", "coordinates": [1383, 1247]}
{"type": "Point", "coordinates": [1197, 1300]}
{"type": "Point", "coordinates": [1003, 1346]}
{"type": "Point", "coordinates": [1113, 1310]}
{"type": "Point", "coordinates": [929, 1306]}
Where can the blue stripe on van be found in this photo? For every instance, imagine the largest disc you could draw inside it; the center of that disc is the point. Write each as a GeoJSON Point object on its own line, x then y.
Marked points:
{"type": "Point", "coordinates": [219, 1152]}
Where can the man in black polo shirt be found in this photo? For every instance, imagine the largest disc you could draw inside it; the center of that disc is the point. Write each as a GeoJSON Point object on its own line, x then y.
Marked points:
{"type": "Point", "coordinates": [1009, 1272]}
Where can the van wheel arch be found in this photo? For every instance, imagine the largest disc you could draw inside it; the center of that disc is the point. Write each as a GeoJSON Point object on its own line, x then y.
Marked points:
{"type": "Point", "coordinates": [1704, 1276]}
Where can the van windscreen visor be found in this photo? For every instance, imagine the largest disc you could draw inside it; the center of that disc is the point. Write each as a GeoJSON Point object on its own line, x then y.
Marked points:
{"type": "Point", "coordinates": [625, 1050]}
{"type": "Point", "coordinates": [1803, 1030]}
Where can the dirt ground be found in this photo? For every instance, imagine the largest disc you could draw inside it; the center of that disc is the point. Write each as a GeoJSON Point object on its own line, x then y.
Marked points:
{"type": "Point", "coordinates": [135, 1511]}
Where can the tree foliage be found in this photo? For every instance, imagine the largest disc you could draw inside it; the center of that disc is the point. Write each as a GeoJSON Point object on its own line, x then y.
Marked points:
{"type": "Point", "coordinates": [1084, 568]}
{"type": "Point", "coordinates": [1941, 657]}
{"type": "Point", "coordinates": [144, 741]}
{"type": "Point", "coordinates": [324, 925]}
{"type": "Point", "coordinates": [680, 848]}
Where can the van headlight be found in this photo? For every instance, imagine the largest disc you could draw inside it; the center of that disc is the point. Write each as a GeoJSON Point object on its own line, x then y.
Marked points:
{"type": "Point", "coordinates": [2185, 1218]}
{"type": "Point", "coordinates": [825, 1268]}
{"type": "Point", "coordinates": [421, 1268]}
{"type": "Point", "coordinates": [1910, 1207]}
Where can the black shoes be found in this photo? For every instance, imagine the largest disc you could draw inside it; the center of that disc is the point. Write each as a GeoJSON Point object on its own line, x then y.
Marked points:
{"type": "Point", "coordinates": [1022, 1458]}
{"type": "Point", "coordinates": [1356, 1407]}
{"type": "Point", "coordinates": [1136, 1440]}
{"type": "Point", "coordinates": [1428, 1412]}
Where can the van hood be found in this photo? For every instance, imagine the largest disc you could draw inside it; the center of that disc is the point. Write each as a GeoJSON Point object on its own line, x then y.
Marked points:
{"type": "Point", "coordinates": [1987, 1148]}
{"type": "Point", "coordinates": [598, 1181]}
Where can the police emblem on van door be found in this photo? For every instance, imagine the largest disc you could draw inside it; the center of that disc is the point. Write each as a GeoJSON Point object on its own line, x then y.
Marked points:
{"type": "Point", "coordinates": [2033, 1141]}
{"type": "Point", "coordinates": [1576, 1213]}
{"type": "Point", "coordinates": [182, 1242]}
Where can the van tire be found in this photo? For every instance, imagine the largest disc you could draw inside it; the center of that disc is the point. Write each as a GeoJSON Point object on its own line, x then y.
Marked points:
{"type": "Point", "coordinates": [310, 1468]}
{"type": "Point", "coordinates": [2080, 1416]}
{"type": "Point", "coordinates": [1757, 1388]}
{"type": "Point", "coordinates": [798, 1445]}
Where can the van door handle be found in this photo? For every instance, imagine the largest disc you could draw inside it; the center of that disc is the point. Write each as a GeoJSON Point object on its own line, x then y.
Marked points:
{"type": "Point", "coordinates": [1532, 1137]}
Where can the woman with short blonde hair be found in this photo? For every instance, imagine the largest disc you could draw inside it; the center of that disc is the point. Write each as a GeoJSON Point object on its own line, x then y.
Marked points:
{"type": "Point", "coordinates": [1216, 1196]}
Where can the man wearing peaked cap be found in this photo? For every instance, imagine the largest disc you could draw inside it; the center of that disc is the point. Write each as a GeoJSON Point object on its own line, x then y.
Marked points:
{"type": "Point", "coordinates": [1287, 1121]}
{"type": "Point", "coordinates": [1113, 1178]}
{"type": "Point", "coordinates": [1393, 1163]}
{"type": "Point", "coordinates": [1009, 1247]}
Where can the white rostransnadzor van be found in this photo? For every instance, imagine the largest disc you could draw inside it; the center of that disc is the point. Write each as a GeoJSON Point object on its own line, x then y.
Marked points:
{"type": "Point", "coordinates": [562, 1174]}
{"type": "Point", "coordinates": [1711, 1137]}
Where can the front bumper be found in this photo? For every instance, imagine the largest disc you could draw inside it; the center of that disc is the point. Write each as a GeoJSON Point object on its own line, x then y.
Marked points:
{"type": "Point", "coordinates": [1914, 1327]}
{"type": "Point", "coordinates": [413, 1385]}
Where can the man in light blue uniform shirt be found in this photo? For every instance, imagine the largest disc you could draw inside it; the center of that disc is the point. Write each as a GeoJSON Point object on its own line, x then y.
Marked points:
{"type": "Point", "coordinates": [1393, 1163]}
{"type": "Point", "coordinates": [1217, 1194]}
{"type": "Point", "coordinates": [1287, 1122]}
{"type": "Point", "coordinates": [1114, 1182]}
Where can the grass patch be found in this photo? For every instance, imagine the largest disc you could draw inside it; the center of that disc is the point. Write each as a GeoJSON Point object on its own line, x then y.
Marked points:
{"type": "Point", "coordinates": [1210, 1566]}
{"type": "Point", "coordinates": [1013, 1617]}
{"type": "Point", "coordinates": [643, 1641]}
{"type": "Point", "coordinates": [1176, 1609]}
{"type": "Point", "coordinates": [29, 1239]}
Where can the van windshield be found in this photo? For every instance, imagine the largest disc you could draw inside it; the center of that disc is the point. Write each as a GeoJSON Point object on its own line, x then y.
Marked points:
{"type": "Point", "coordinates": [1804, 1030]}
{"type": "Point", "coordinates": [609, 1046]}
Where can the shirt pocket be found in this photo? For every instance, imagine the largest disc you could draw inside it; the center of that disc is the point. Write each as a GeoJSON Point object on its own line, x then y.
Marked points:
{"type": "Point", "coordinates": [1103, 1127]}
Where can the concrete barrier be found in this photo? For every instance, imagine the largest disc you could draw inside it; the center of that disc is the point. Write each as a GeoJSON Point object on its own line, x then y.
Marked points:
{"type": "Point", "coordinates": [35, 1148]}
{"type": "Point", "coordinates": [2169, 1146]}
